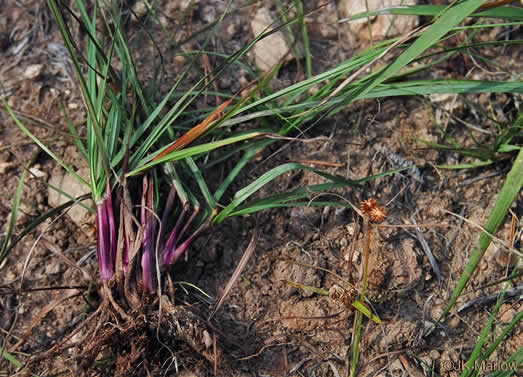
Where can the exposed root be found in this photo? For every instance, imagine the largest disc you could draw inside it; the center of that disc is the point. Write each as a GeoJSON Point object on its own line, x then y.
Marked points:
{"type": "Point", "coordinates": [117, 341]}
{"type": "Point", "coordinates": [188, 327]}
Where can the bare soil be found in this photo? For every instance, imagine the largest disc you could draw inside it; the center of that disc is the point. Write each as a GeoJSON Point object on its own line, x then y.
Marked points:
{"type": "Point", "coordinates": [266, 327]}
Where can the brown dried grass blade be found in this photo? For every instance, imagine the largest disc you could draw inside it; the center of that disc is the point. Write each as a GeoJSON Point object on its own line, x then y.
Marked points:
{"type": "Point", "coordinates": [56, 251]}
{"type": "Point", "coordinates": [63, 296]}
{"type": "Point", "coordinates": [241, 265]}
{"type": "Point", "coordinates": [194, 132]}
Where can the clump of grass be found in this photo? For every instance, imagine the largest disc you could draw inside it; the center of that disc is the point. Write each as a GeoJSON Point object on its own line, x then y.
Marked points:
{"type": "Point", "coordinates": [134, 152]}
{"type": "Point", "coordinates": [148, 183]}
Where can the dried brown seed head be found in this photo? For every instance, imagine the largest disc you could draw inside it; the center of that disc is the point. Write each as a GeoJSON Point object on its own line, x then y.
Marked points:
{"type": "Point", "coordinates": [375, 212]}
{"type": "Point", "coordinates": [345, 297]}
{"type": "Point", "coordinates": [367, 205]}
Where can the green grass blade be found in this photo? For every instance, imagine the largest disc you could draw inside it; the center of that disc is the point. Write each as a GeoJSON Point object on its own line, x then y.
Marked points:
{"type": "Point", "coordinates": [305, 38]}
{"type": "Point", "coordinates": [355, 346]}
{"type": "Point", "coordinates": [72, 128]}
{"type": "Point", "coordinates": [502, 336]}
{"type": "Point", "coordinates": [272, 174]}
{"type": "Point", "coordinates": [171, 172]}
{"type": "Point", "coordinates": [256, 208]}
{"type": "Point", "coordinates": [42, 218]}
{"type": "Point", "coordinates": [209, 198]}
{"type": "Point", "coordinates": [255, 186]}
{"type": "Point", "coordinates": [449, 19]}
{"type": "Point", "coordinates": [366, 311]}
{"type": "Point", "coordinates": [476, 357]}
{"type": "Point", "coordinates": [127, 58]}
{"type": "Point", "coordinates": [14, 213]}
{"type": "Point", "coordinates": [332, 74]}
{"type": "Point", "coordinates": [283, 199]}
{"type": "Point", "coordinates": [248, 155]}
{"type": "Point", "coordinates": [40, 144]}
{"type": "Point", "coordinates": [97, 156]}
{"type": "Point", "coordinates": [192, 151]}
{"type": "Point", "coordinates": [509, 13]}
{"type": "Point", "coordinates": [6, 355]}
{"type": "Point", "coordinates": [425, 87]}
{"type": "Point", "coordinates": [515, 361]}
{"type": "Point", "coordinates": [508, 193]}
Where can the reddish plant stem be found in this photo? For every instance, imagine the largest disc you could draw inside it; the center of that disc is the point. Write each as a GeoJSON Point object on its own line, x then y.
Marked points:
{"type": "Point", "coordinates": [111, 223]}
{"type": "Point", "coordinates": [173, 256]}
{"type": "Point", "coordinates": [105, 260]}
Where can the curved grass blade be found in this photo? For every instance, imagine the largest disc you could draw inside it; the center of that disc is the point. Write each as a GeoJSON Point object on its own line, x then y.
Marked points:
{"type": "Point", "coordinates": [281, 200]}
{"type": "Point", "coordinates": [366, 311]}
{"type": "Point", "coordinates": [476, 357]}
{"type": "Point", "coordinates": [40, 144]}
{"type": "Point", "coordinates": [40, 219]}
{"type": "Point", "coordinates": [509, 13]}
{"type": "Point", "coordinates": [448, 20]}
{"type": "Point", "coordinates": [209, 198]}
{"type": "Point", "coordinates": [359, 305]}
{"type": "Point", "coordinates": [6, 355]}
{"type": "Point", "coordinates": [255, 186]}
{"type": "Point", "coordinates": [508, 193]}
{"type": "Point", "coordinates": [14, 214]}
{"type": "Point", "coordinates": [195, 132]}
{"type": "Point", "coordinates": [192, 151]}
{"type": "Point", "coordinates": [244, 160]}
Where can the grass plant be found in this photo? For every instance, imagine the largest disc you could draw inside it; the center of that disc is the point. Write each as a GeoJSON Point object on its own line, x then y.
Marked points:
{"type": "Point", "coordinates": [150, 166]}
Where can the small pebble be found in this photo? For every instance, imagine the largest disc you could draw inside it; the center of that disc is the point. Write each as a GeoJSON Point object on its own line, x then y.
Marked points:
{"type": "Point", "coordinates": [52, 268]}
{"type": "Point", "coordinates": [179, 60]}
{"type": "Point", "coordinates": [10, 275]}
{"type": "Point", "coordinates": [33, 71]}
{"type": "Point", "coordinates": [208, 14]}
{"type": "Point", "coordinates": [507, 315]}
{"type": "Point", "coordinates": [39, 197]}
{"type": "Point", "coordinates": [454, 322]}
{"type": "Point", "coordinates": [314, 89]}
{"type": "Point", "coordinates": [225, 82]}
{"type": "Point", "coordinates": [5, 166]}
{"type": "Point", "coordinates": [436, 313]}
{"type": "Point", "coordinates": [183, 4]}
{"type": "Point", "coordinates": [36, 172]}
{"type": "Point", "coordinates": [230, 30]}
{"type": "Point", "coordinates": [207, 339]}
{"type": "Point", "coordinates": [140, 9]}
